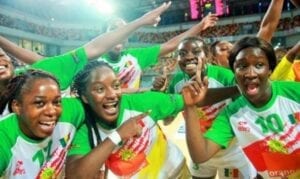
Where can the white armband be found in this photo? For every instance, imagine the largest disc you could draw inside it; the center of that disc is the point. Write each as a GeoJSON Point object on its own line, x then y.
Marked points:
{"type": "Point", "coordinates": [115, 137]}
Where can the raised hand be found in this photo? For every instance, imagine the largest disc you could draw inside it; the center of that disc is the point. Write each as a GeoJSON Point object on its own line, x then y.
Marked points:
{"type": "Point", "coordinates": [209, 20]}
{"type": "Point", "coordinates": [153, 17]}
{"type": "Point", "coordinates": [195, 90]}
{"type": "Point", "coordinates": [161, 82]}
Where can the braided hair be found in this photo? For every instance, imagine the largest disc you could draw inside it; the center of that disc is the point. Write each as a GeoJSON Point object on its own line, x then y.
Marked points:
{"type": "Point", "coordinates": [79, 87]}
{"type": "Point", "coordinates": [18, 84]}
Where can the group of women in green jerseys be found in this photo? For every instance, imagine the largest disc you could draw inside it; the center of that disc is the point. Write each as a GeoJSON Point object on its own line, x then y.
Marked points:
{"type": "Point", "coordinates": [108, 134]}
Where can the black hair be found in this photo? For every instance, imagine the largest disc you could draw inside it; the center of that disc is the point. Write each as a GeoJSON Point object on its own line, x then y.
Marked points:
{"type": "Point", "coordinates": [199, 39]}
{"type": "Point", "coordinates": [254, 42]}
{"type": "Point", "coordinates": [79, 85]}
{"type": "Point", "coordinates": [213, 47]}
{"type": "Point", "coordinates": [17, 85]}
{"type": "Point", "coordinates": [81, 79]}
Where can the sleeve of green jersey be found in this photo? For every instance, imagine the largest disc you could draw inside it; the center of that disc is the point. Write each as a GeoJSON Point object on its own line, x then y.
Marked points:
{"type": "Point", "coordinates": [146, 56]}
{"type": "Point", "coordinates": [223, 75]}
{"type": "Point", "coordinates": [3, 156]}
{"type": "Point", "coordinates": [3, 161]}
{"type": "Point", "coordinates": [288, 89]}
{"type": "Point", "coordinates": [73, 111]}
{"type": "Point", "coordinates": [162, 105]}
{"type": "Point", "coordinates": [80, 144]}
{"type": "Point", "coordinates": [176, 78]}
{"type": "Point", "coordinates": [220, 132]}
{"type": "Point", "coordinates": [64, 67]}
{"type": "Point", "coordinates": [7, 125]}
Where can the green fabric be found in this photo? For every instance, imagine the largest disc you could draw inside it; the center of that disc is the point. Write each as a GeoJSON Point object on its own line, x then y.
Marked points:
{"type": "Point", "coordinates": [217, 76]}
{"type": "Point", "coordinates": [63, 67]}
{"type": "Point", "coordinates": [73, 113]}
{"type": "Point", "coordinates": [161, 104]}
{"type": "Point", "coordinates": [221, 125]}
{"type": "Point", "coordinates": [146, 56]}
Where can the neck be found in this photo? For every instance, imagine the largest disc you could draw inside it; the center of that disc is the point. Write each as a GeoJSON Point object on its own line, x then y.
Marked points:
{"type": "Point", "coordinates": [107, 125]}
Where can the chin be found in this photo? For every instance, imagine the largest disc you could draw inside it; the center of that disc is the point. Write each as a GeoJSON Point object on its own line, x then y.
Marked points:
{"type": "Point", "coordinates": [190, 73]}
{"type": "Point", "coordinates": [110, 118]}
{"type": "Point", "coordinates": [42, 136]}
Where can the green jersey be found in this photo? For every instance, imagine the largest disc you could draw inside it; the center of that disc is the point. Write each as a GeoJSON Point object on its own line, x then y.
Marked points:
{"type": "Point", "coordinates": [63, 67]}
{"type": "Point", "coordinates": [269, 135]}
{"type": "Point", "coordinates": [217, 77]}
{"type": "Point", "coordinates": [150, 155]}
{"type": "Point", "coordinates": [131, 63]}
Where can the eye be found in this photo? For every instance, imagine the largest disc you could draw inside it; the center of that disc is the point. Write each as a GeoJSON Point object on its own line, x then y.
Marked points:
{"type": "Point", "coordinates": [197, 52]}
{"type": "Point", "coordinates": [57, 102]}
{"type": "Point", "coordinates": [241, 66]}
{"type": "Point", "coordinates": [39, 103]}
{"type": "Point", "coordinates": [117, 85]}
{"type": "Point", "coordinates": [259, 65]}
{"type": "Point", "coordinates": [182, 53]}
{"type": "Point", "coordinates": [99, 89]}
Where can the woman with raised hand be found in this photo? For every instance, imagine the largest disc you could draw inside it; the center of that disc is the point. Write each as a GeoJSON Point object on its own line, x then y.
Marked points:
{"type": "Point", "coordinates": [264, 119]}
{"type": "Point", "coordinates": [192, 52]}
{"type": "Point", "coordinates": [64, 67]}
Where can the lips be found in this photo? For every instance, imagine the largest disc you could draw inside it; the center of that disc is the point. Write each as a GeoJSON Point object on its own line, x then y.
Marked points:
{"type": "Point", "coordinates": [3, 68]}
{"type": "Point", "coordinates": [47, 126]}
{"type": "Point", "coordinates": [252, 89]}
{"type": "Point", "coordinates": [111, 108]}
{"type": "Point", "coordinates": [191, 65]}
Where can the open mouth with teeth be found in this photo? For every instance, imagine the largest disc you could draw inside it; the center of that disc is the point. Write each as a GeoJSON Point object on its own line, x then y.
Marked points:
{"type": "Point", "coordinates": [3, 67]}
{"type": "Point", "coordinates": [111, 108]}
{"type": "Point", "coordinates": [191, 65]}
{"type": "Point", "coordinates": [47, 126]}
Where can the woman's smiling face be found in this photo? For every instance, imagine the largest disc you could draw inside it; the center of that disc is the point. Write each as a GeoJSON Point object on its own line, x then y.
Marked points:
{"type": "Point", "coordinates": [103, 93]}
{"type": "Point", "coordinates": [189, 52]}
{"type": "Point", "coordinates": [39, 108]}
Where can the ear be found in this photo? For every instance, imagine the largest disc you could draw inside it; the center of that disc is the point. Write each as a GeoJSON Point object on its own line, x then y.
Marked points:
{"type": "Point", "coordinates": [84, 99]}
{"type": "Point", "coordinates": [16, 107]}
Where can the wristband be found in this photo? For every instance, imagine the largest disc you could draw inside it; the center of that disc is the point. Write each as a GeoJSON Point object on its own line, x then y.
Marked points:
{"type": "Point", "coordinates": [115, 137]}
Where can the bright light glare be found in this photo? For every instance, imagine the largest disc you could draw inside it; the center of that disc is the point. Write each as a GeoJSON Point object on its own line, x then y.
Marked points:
{"type": "Point", "coordinates": [102, 6]}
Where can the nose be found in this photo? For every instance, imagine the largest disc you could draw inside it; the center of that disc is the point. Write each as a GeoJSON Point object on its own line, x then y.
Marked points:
{"type": "Point", "coordinates": [111, 93]}
{"type": "Point", "coordinates": [51, 110]}
{"type": "Point", "coordinates": [250, 72]}
{"type": "Point", "coordinates": [189, 56]}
